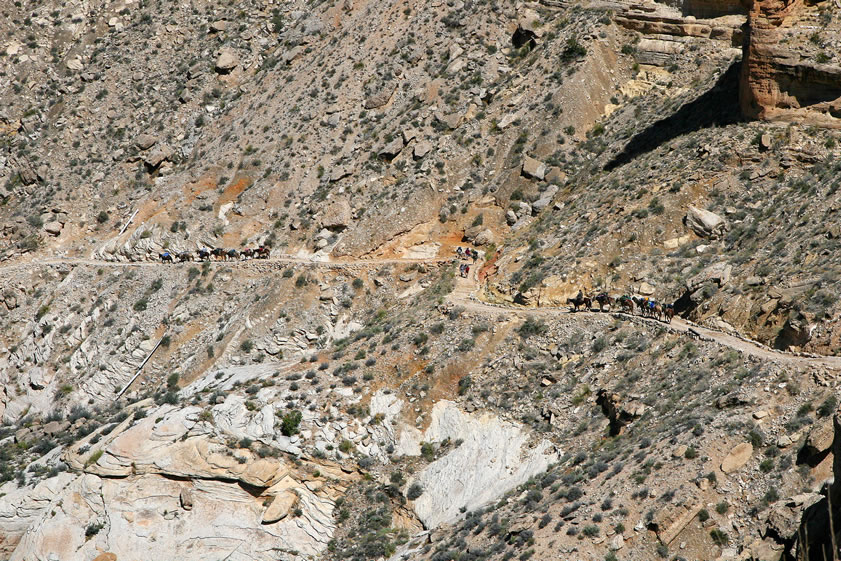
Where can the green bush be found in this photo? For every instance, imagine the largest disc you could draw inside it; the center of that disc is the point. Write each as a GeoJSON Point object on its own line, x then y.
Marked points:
{"type": "Point", "coordinates": [246, 346]}
{"type": "Point", "coordinates": [290, 424]}
{"type": "Point", "coordinates": [415, 491]}
{"type": "Point", "coordinates": [719, 537]}
{"type": "Point", "coordinates": [532, 327]}
{"type": "Point", "coordinates": [102, 217]}
{"type": "Point", "coordinates": [590, 530]}
{"type": "Point", "coordinates": [345, 446]}
{"type": "Point", "coordinates": [427, 451]}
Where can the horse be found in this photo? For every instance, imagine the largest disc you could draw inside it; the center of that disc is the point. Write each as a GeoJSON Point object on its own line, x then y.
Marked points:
{"type": "Point", "coordinates": [627, 304]}
{"type": "Point", "coordinates": [604, 300]}
{"type": "Point", "coordinates": [204, 254]}
{"type": "Point", "coordinates": [166, 257]}
{"type": "Point", "coordinates": [218, 253]}
{"type": "Point", "coordinates": [578, 301]}
{"type": "Point", "coordinates": [247, 253]}
{"type": "Point", "coordinates": [262, 252]}
{"type": "Point", "coordinates": [185, 256]}
{"type": "Point", "coordinates": [232, 254]}
{"type": "Point", "coordinates": [669, 313]}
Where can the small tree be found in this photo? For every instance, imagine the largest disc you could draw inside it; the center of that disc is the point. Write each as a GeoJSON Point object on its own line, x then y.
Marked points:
{"type": "Point", "coordinates": [291, 422]}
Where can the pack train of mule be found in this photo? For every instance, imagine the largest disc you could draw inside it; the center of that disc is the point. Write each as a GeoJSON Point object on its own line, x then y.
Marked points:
{"type": "Point", "coordinates": [215, 254]}
{"type": "Point", "coordinates": [648, 307]}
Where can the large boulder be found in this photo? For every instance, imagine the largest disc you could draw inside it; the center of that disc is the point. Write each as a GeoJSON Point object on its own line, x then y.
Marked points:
{"type": "Point", "coordinates": [226, 61]}
{"type": "Point", "coordinates": [381, 97]}
{"type": "Point", "coordinates": [705, 223]}
{"type": "Point", "coordinates": [737, 458]}
{"type": "Point", "coordinates": [337, 216]}
{"type": "Point", "coordinates": [533, 168]}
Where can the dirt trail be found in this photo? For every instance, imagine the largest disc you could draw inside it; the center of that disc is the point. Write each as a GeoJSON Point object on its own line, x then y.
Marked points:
{"type": "Point", "coordinates": [465, 295]}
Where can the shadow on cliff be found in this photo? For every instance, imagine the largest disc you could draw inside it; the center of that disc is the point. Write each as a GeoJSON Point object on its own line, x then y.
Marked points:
{"type": "Point", "coordinates": [716, 107]}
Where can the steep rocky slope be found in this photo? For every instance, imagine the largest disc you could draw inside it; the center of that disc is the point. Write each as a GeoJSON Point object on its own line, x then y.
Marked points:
{"type": "Point", "coordinates": [354, 397]}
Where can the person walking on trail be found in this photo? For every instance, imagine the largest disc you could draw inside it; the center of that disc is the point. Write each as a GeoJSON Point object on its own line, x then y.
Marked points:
{"type": "Point", "coordinates": [459, 252]}
{"type": "Point", "coordinates": [466, 271]}
{"type": "Point", "coordinates": [475, 256]}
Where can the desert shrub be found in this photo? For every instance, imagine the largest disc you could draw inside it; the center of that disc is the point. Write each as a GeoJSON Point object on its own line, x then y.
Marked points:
{"type": "Point", "coordinates": [93, 529]}
{"type": "Point", "coordinates": [590, 530]}
{"type": "Point", "coordinates": [290, 423]}
{"type": "Point", "coordinates": [532, 327]}
{"type": "Point", "coordinates": [415, 490]}
{"type": "Point", "coordinates": [719, 537]}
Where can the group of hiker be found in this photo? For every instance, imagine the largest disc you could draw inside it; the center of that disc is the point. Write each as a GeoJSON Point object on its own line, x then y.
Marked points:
{"type": "Point", "coordinates": [466, 253]}
{"type": "Point", "coordinates": [217, 253]}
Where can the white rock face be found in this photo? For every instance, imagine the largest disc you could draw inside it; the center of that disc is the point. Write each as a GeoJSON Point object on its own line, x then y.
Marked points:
{"type": "Point", "coordinates": [495, 456]}
{"type": "Point", "coordinates": [168, 486]}
{"type": "Point", "coordinates": [142, 519]}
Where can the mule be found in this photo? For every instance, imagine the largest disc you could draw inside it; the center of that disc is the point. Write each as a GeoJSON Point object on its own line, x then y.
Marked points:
{"type": "Point", "coordinates": [627, 304]}
{"type": "Point", "coordinates": [669, 313]}
{"type": "Point", "coordinates": [247, 253]}
{"type": "Point", "coordinates": [166, 257]}
{"type": "Point", "coordinates": [579, 301]}
{"type": "Point", "coordinates": [232, 254]}
{"type": "Point", "coordinates": [262, 252]}
{"type": "Point", "coordinates": [657, 312]}
{"type": "Point", "coordinates": [185, 256]}
{"type": "Point", "coordinates": [218, 253]}
{"type": "Point", "coordinates": [604, 300]}
{"type": "Point", "coordinates": [204, 254]}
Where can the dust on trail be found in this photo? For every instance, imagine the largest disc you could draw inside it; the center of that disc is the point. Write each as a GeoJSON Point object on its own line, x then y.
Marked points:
{"type": "Point", "coordinates": [465, 295]}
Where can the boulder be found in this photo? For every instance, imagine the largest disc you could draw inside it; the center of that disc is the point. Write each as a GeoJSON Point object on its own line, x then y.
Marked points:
{"type": "Point", "coordinates": [737, 458]}
{"type": "Point", "coordinates": [337, 216]}
{"type": "Point", "coordinates": [381, 97]}
{"type": "Point", "coordinates": [280, 507]}
{"type": "Point", "coordinates": [533, 168]}
{"type": "Point", "coordinates": [145, 141]}
{"type": "Point", "coordinates": [705, 223]}
{"type": "Point", "coordinates": [819, 440]}
{"type": "Point", "coordinates": [218, 26]}
{"type": "Point", "coordinates": [484, 237]}
{"type": "Point", "coordinates": [619, 414]}
{"type": "Point", "coordinates": [226, 61]}
{"type": "Point", "coordinates": [53, 228]}
{"type": "Point", "coordinates": [421, 149]}
{"type": "Point", "coordinates": [510, 217]}
{"type": "Point", "coordinates": [646, 289]}
{"type": "Point", "coordinates": [450, 120]}
{"type": "Point", "coordinates": [718, 273]}
{"type": "Point", "coordinates": [390, 150]}
{"type": "Point", "coordinates": [157, 156]}
{"type": "Point", "coordinates": [783, 519]}
{"type": "Point", "coordinates": [106, 556]}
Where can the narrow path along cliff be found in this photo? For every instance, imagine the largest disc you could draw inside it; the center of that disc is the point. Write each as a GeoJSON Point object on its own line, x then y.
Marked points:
{"type": "Point", "coordinates": [467, 294]}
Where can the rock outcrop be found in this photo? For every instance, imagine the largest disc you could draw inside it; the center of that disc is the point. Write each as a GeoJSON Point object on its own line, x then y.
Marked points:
{"type": "Point", "coordinates": [494, 456]}
{"type": "Point", "coordinates": [776, 84]}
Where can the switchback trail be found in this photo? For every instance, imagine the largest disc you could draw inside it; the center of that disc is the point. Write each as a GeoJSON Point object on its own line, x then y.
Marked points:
{"type": "Point", "coordinates": [465, 295]}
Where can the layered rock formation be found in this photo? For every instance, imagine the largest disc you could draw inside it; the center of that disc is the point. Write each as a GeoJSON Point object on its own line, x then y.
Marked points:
{"type": "Point", "coordinates": [776, 84]}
